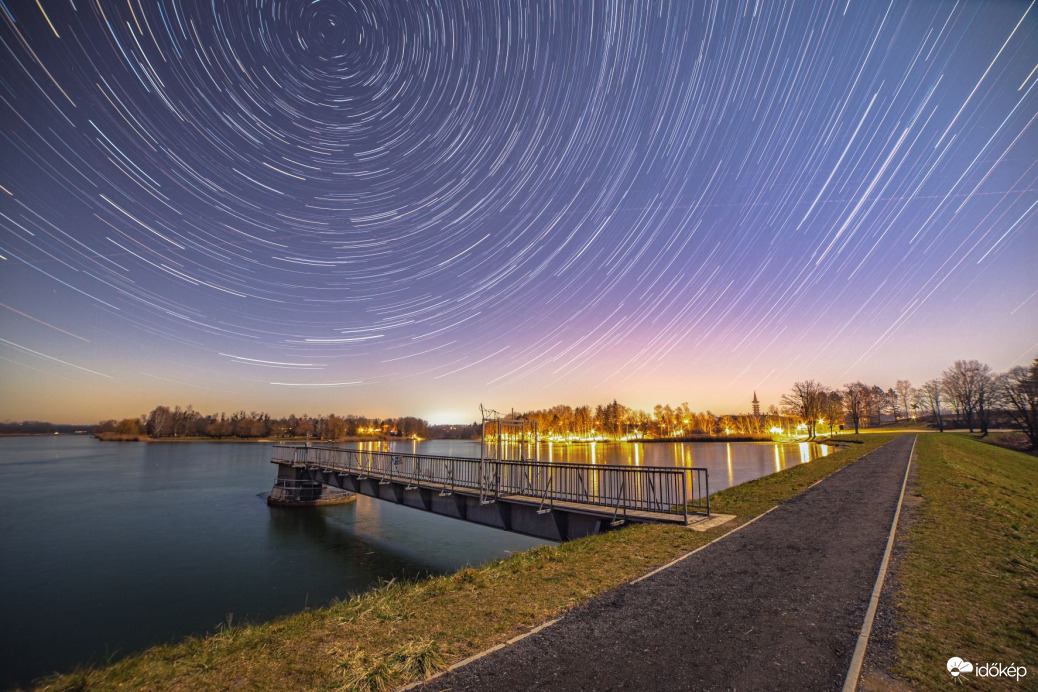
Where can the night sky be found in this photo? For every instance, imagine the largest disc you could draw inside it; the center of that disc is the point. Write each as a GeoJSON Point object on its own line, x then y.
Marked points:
{"type": "Point", "coordinates": [392, 208]}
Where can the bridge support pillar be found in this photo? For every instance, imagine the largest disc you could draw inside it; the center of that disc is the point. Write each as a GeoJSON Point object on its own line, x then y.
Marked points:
{"type": "Point", "coordinates": [296, 487]}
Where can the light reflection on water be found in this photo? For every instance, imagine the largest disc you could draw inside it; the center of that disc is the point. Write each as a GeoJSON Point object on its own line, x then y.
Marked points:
{"type": "Point", "coordinates": [729, 463]}
{"type": "Point", "coordinates": [731, 471]}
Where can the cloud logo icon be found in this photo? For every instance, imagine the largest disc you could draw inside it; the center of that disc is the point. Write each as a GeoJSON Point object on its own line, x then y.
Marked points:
{"type": "Point", "coordinates": [956, 665]}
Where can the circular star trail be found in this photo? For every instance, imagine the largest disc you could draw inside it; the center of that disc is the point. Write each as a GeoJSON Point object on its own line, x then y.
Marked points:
{"type": "Point", "coordinates": [371, 204]}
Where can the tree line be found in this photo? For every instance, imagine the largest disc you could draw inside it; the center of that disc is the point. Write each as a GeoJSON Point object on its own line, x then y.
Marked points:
{"type": "Point", "coordinates": [36, 427]}
{"type": "Point", "coordinates": [968, 394]}
{"type": "Point", "coordinates": [166, 422]}
{"type": "Point", "coordinates": [616, 421]}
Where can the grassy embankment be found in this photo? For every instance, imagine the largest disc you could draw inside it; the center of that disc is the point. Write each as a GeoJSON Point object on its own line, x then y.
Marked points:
{"type": "Point", "coordinates": [1017, 441]}
{"type": "Point", "coordinates": [398, 633]}
{"type": "Point", "coordinates": [969, 580]}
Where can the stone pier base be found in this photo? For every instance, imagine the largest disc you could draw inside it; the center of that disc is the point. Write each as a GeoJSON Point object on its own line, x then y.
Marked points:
{"type": "Point", "coordinates": [294, 489]}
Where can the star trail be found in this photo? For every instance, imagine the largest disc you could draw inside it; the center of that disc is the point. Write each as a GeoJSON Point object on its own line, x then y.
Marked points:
{"type": "Point", "coordinates": [414, 207]}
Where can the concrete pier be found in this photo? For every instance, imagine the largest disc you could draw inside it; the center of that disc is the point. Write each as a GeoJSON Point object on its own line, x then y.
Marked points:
{"type": "Point", "coordinates": [295, 489]}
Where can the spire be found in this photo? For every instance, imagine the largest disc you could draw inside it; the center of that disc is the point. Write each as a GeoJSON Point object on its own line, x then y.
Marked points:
{"type": "Point", "coordinates": [756, 404]}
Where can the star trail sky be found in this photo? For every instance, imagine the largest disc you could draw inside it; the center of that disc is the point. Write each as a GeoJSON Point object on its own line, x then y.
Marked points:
{"type": "Point", "coordinates": [391, 207]}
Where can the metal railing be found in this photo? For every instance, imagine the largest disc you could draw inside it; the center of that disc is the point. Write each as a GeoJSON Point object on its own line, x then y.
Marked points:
{"type": "Point", "coordinates": [676, 491]}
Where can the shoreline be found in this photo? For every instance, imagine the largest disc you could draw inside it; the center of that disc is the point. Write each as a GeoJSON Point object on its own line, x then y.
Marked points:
{"type": "Point", "coordinates": [122, 437]}
{"type": "Point", "coordinates": [710, 438]}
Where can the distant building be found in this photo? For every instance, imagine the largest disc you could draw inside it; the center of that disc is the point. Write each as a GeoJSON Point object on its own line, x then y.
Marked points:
{"type": "Point", "coordinates": [756, 404]}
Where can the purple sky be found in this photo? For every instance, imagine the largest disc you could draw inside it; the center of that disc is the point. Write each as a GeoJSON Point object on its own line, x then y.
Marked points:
{"type": "Point", "coordinates": [397, 208]}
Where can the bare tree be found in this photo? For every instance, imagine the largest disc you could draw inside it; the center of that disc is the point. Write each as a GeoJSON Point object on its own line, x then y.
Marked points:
{"type": "Point", "coordinates": [1019, 391]}
{"type": "Point", "coordinates": [832, 409]}
{"type": "Point", "coordinates": [805, 400]}
{"type": "Point", "coordinates": [890, 401]}
{"type": "Point", "coordinates": [930, 398]}
{"type": "Point", "coordinates": [160, 422]}
{"type": "Point", "coordinates": [963, 383]}
{"type": "Point", "coordinates": [987, 397]}
{"type": "Point", "coordinates": [915, 399]}
{"type": "Point", "coordinates": [905, 395]}
{"type": "Point", "coordinates": [876, 398]}
{"type": "Point", "coordinates": [854, 400]}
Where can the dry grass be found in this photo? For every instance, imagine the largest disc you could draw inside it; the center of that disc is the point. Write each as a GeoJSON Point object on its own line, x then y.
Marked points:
{"type": "Point", "coordinates": [402, 632]}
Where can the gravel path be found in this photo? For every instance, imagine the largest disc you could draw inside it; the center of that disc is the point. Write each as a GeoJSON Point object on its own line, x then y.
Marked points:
{"type": "Point", "coordinates": [776, 606]}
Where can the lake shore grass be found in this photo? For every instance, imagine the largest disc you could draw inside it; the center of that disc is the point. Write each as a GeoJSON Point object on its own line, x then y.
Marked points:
{"type": "Point", "coordinates": [969, 579]}
{"type": "Point", "coordinates": [400, 632]}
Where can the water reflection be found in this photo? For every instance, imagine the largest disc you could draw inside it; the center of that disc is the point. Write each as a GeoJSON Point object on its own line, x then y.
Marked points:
{"type": "Point", "coordinates": [731, 471]}
{"type": "Point", "coordinates": [729, 463]}
{"type": "Point", "coordinates": [338, 547]}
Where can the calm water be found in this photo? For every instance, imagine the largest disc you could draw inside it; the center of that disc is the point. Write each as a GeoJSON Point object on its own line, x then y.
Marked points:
{"type": "Point", "coordinates": [107, 548]}
{"type": "Point", "coordinates": [728, 463]}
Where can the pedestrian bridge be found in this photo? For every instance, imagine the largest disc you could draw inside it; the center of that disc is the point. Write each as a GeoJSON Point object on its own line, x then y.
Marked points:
{"type": "Point", "coordinates": [556, 502]}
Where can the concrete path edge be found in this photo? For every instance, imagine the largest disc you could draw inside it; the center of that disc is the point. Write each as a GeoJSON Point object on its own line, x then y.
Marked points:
{"type": "Point", "coordinates": [850, 684]}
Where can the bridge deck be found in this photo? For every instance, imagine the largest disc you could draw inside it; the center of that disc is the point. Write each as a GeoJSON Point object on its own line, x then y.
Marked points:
{"type": "Point", "coordinates": [555, 501]}
{"type": "Point", "coordinates": [634, 515]}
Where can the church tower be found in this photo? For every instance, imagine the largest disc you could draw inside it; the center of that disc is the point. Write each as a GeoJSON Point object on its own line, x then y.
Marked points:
{"type": "Point", "coordinates": [756, 405]}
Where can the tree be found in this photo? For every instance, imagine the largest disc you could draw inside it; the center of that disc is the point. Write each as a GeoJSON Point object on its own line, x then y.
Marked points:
{"type": "Point", "coordinates": [855, 398]}
{"type": "Point", "coordinates": [303, 426]}
{"type": "Point", "coordinates": [805, 400]}
{"type": "Point", "coordinates": [905, 395]}
{"type": "Point", "coordinates": [890, 402]}
{"type": "Point", "coordinates": [409, 426]}
{"type": "Point", "coordinates": [129, 426]}
{"type": "Point", "coordinates": [1019, 391]}
{"type": "Point", "coordinates": [832, 409]}
{"type": "Point", "coordinates": [987, 395]}
{"type": "Point", "coordinates": [219, 427]}
{"type": "Point", "coordinates": [963, 382]}
{"type": "Point", "coordinates": [106, 426]}
{"type": "Point", "coordinates": [582, 421]}
{"type": "Point", "coordinates": [876, 398]}
{"type": "Point", "coordinates": [930, 397]}
{"type": "Point", "coordinates": [334, 428]}
{"type": "Point", "coordinates": [160, 422]}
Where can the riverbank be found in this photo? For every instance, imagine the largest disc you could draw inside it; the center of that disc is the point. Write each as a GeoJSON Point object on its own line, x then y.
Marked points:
{"type": "Point", "coordinates": [396, 633]}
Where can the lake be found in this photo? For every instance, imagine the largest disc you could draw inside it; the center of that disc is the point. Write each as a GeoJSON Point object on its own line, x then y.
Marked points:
{"type": "Point", "coordinates": [108, 548]}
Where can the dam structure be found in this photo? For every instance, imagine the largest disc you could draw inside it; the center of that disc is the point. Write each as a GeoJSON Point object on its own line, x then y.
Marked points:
{"type": "Point", "coordinates": [504, 488]}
